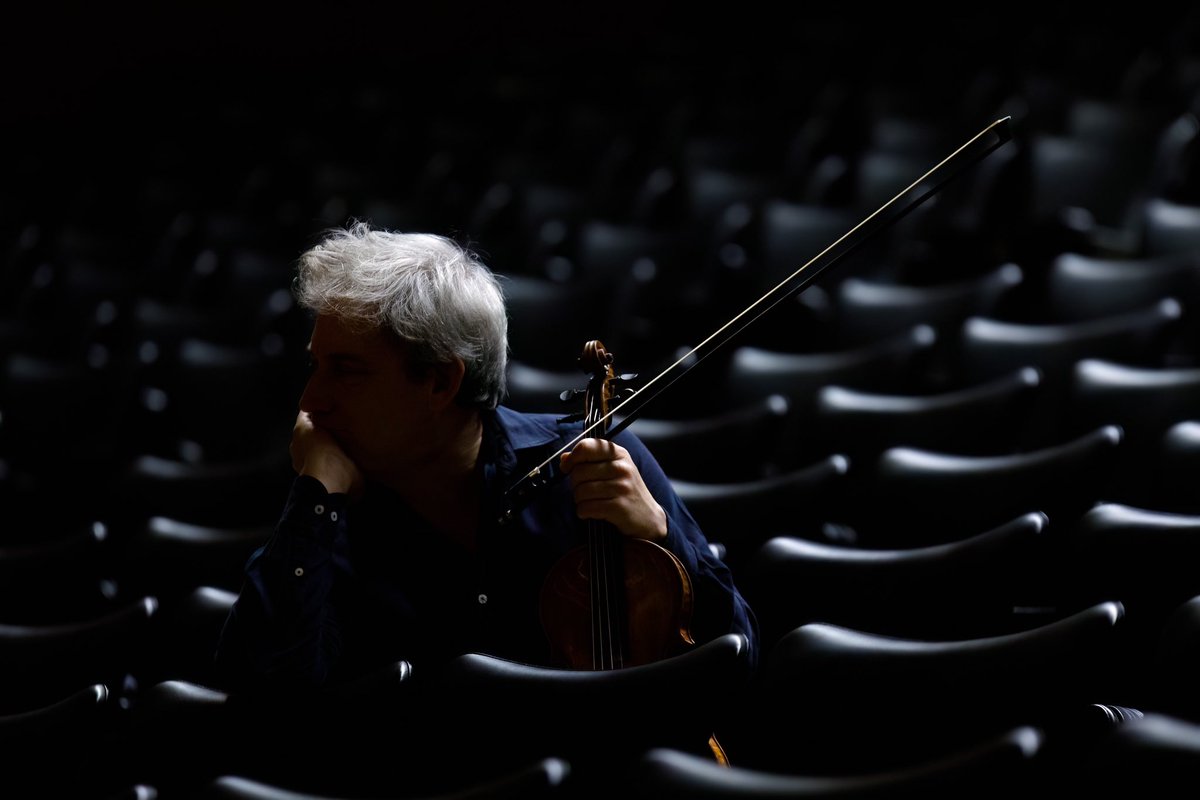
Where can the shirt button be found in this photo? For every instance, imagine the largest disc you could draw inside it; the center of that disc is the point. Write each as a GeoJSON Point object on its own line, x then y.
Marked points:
{"type": "Point", "coordinates": [333, 515]}
{"type": "Point", "coordinates": [318, 510]}
{"type": "Point", "coordinates": [299, 572]}
{"type": "Point", "coordinates": [482, 599]}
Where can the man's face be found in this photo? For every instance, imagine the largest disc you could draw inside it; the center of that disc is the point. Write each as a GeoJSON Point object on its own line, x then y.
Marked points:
{"type": "Point", "coordinates": [362, 392]}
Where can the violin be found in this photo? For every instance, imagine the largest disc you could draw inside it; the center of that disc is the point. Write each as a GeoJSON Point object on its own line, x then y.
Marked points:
{"type": "Point", "coordinates": [616, 601]}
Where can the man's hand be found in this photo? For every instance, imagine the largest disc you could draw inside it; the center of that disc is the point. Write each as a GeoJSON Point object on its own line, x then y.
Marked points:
{"type": "Point", "coordinates": [607, 486]}
{"type": "Point", "coordinates": [315, 452]}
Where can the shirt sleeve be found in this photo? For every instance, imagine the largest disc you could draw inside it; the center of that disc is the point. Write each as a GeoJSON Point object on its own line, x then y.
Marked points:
{"type": "Point", "coordinates": [282, 630]}
{"type": "Point", "coordinates": [720, 607]}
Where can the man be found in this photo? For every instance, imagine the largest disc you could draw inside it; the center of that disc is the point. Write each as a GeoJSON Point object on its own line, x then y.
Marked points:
{"type": "Point", "coordinates": [391, 545]}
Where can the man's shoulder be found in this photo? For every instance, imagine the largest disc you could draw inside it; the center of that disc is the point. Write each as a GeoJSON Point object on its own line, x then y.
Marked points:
{"type": "Point", "coordinates": [529, 429]}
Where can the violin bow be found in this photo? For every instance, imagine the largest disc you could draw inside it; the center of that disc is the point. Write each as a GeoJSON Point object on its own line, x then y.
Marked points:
{"type": "Point", "coordinates": [920, 190]}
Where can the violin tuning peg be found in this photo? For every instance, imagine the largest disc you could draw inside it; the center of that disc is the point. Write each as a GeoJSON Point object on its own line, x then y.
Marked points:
{"type": "Point", "coordinates": [567, 395]}
{"type": "Point", "coordinates": [628, 376]}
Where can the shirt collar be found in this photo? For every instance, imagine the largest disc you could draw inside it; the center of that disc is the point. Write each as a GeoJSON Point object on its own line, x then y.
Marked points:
{"type": "Point", "coordinates": [523, 431]}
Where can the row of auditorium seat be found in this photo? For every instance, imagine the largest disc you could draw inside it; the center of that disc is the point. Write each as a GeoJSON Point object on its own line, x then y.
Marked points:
{"type": "Point", "coordinates": [955, 476]}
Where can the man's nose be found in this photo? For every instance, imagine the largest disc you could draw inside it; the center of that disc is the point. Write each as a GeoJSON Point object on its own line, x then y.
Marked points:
{"type": "Point", "coordinates": [315, 397]}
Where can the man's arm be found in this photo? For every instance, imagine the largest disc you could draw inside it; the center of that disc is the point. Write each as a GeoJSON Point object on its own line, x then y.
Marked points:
{"type": "Point", "coordinates": [283, 630]}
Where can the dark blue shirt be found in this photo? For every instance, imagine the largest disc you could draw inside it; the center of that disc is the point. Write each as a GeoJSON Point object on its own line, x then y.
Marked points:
{"type": "Point", "coordinates": [342, 589]}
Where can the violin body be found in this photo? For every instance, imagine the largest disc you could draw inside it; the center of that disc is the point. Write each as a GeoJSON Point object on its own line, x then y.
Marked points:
{"type": "Point", "coordinates": [655, 598]}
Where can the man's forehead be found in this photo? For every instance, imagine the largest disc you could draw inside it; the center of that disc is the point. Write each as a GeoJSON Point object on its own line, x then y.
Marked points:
{"type": "Point", "coordinates": [332, 335]}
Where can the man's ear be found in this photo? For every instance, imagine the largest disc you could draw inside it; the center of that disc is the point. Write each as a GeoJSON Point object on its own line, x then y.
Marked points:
{"type": "Point", "coordinates": [447, 378]}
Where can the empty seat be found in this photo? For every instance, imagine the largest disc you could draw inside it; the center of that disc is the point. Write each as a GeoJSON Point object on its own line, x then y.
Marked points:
{"type": "Point", "coordinates": [740, 515]}
{"type": "Point", "coordinates": [540, 390]}
{"type": "Point", "coordinates": [739, 444]}
{"type": "Point", "coordinates": [911, 496]}
{"type": "Point", "coordinates": [64, 747]}
{"type": "Point", "coordinates": [1174, 661]}
{"type": "Point", "coordinates": [834, 699]}
{"type": "Point", "coordinates": [230, 400]}
{"type": "Point", "coordinates": [593, 718]}
{"type": "Point", "coordinates": [1145, 401]}
{"type": "Point", "coordinates": [1144, 556]}
{"type": "Point", "coordinates": [997, 767]}
{"type": "Point", "coordinates": [550, 320]}
{"type": "Point", "coordinates": [1155, 756]}
{"type": "Point", "coordinates": [178, 736]}
{"type": "Point", "coordinates": [1179, 468]}
{"type": "Point", "coordinates": [892, 363]}
{"type": "Point", "coordinates": [980, 585]}
{"type": "Point", "coordinates": [42, 427]}
{"type": "Point", "coordinates": [235, 493]}
{"type": "Point", "coordinates": [1173, 154]}
{"type": "Point", "coordinates": [1082, 286]}
{"type": "Point", "coordinates": [793, 234]}
{"type": "Point", "coordinates": [167, 556]}
{"type": "Point", "coordinates": [872, 309]}
{"type": "Point", "coordinates": [181, 735]}
{"type": "Point", "coordinates": [1072, 171]}
{"type": "Point", "coordinates": [986, 417]}
{"type": "Point", "coordinates": [39, 663]}
{"type": "Point", "coordinates": [547, 777]}
{"type": "Point", "coordinates": [986, 348]}
{"type": "Point", "coordinates": [186, 630]}
{"type": "Point", "coordinates": [50, 575]}
{"type": "Point", "coordinates": [1170, 227]}
{"type": "Point", "coordinates": [990, 347]}
{"type": "Point", "coordinates": [710, 191]}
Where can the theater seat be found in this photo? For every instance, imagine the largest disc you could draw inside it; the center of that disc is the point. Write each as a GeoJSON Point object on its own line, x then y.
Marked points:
{"type": "Point", "coordinates": [740, 515]}
{"type": "Point", "coordinates": [182, 735]}
{"type": "Point", "coordinates": [981, 585]}
{"type": "Point", "coordinates": [41, 662]}
{"type": "Point", "coordinates": [738, 444]}
{"type": "Point", "coordinates": [835, 699]}
{"type": "Point", "coordinates": [50, 575]}
{"type": "Point", "coordinates": [63, 748]}
{"type": "Point", "coordinates": [593, 718]}
{"type": "Point", "coordinates": [1002, 766]}
{"type": "Point", "coordinates": [234, 493]}
{"type": "Point", "coordinates": [1145, 401]}
{"type": "Point", "coordinates": [1144, 556]}
{"type": "Point", "coordinates": [872, 309]}
{"type": "Point", "coordinates": [1179, 468]}
{"type": "Point", "coordinates": [989, 347]}
{"type": "Point", "coordinates": [537, 389]}
{"type": "Point", "coordinates": [1082, 286]}
{"type": "Point", "coordinates": [989, 416]}
{"type": "Point", "coordinates": [545, 778]}
{"type": "Point", "coordinates": [911, 496]}
{"type": "Point", "coordinates": [1156, 756]}
{"type": "Point", "coordinates": [1174, 662]}
{"type": "Point", "coordinates": [890, 364]}
{"type": "Point", "coordinates": [1170, 227]}
{"type": "Point", "coordinates": [169, 557]}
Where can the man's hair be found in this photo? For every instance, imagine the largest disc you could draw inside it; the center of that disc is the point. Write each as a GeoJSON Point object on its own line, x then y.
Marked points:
{"type": "Point", "coordinates": [435, 295]}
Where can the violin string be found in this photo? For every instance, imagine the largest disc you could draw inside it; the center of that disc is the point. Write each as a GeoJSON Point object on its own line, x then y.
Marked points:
{"type": "Point", "coordinates": [604, 640]}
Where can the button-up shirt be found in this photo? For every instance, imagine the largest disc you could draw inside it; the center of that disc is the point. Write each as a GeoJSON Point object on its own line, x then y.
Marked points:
{"type": "Point", "coordinates": [343, 589]}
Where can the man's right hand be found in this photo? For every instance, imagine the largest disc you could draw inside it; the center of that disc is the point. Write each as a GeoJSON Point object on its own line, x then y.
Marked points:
{"type": "Point", "coordinates": [316, 453]}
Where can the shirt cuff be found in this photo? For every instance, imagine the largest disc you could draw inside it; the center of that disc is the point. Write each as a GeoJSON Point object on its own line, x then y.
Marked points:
{"type": "Point", "coordinates": [312, 519]}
